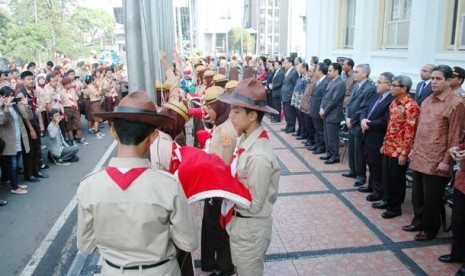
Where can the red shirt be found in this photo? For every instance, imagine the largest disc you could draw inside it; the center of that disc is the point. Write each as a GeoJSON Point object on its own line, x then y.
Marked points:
{"type": "Point", "coordinates": [403, 117]}
{"type": "Point", "coordinates": [459, 182]}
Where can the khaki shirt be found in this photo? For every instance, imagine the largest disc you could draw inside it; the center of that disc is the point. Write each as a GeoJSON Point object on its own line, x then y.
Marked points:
{"type": "Point", "coordinates": [259, 171]}
{"type": "Point", "coordinates": [161, 152]}
{"type": "Point", "coordinates": [137, 226]}
{"type": "Point", "coordinates": [223, 141]}
{"type": "Point", "coordinates": [69, 97]}
{"type": "Point", "coordinates": [92, 92]}
{"type": "Point", "coordinates": [349, 80]}
{"type": "Point", "coordinates": [439, 127]}
{"type": "Point", "coordinates": [106, 86]}
{"type": "Point", "coordinates": [44, 98]}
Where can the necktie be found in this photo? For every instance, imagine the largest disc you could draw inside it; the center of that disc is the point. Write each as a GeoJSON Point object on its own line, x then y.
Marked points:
{"type": "Point", "coordinates": [375, 105]}
{"type": "Point", "coordinates": [422, 88]}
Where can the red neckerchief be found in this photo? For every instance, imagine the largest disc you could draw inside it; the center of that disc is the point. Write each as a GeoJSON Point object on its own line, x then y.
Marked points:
{"type": "Point", "coordinates": [174, 162]}
{"type": "Point", "coordinates": [264, 135]}
{"type": "Point", "coordinates": [124, 180]}
{"type": "Point", "coordinates": [33, 99]}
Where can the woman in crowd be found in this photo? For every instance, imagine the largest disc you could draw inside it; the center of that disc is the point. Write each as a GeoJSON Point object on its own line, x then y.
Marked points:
{"type": "Point", "coordinates": [14, 134]}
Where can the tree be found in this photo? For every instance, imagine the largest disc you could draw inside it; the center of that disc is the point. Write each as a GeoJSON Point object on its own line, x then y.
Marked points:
{"type": "Point", "coordinates": [26, 42]}
{"type": "Point", "coordinates": [95, 23]}
{"type": "Point", "coordinates": [235, 34]}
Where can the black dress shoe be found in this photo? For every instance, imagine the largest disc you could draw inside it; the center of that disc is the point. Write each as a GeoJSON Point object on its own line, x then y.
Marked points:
{"type": "Point", "coordinates": [374, 197]}
{"type": "Point", "coordinates": [290, 131]}
{"type": "Point", "coordinates": [358, 183]}
{"type": "Point", "coordinates": [296, 134]}
{"type": "Point", "coordinates": [312, 147]}
{"type": "Point", "coordinates": [284, 129]}
{"type": "Point", "coordinates": [422, 236]}
{"type": "Point", "coordinates": [325, 157]}
{"type": "Point", "coordinates": [319, 151]}
{"type": "Point", "coordinates": [365, 189]}
{"type": "Point", "coordinates": [390, 214]}
{"type": "Point", "coordinates": [301, 137]}
{"type": "Point", "coordinates": [309, 144]}
{"type": "Point", "coordinates": [31, 179]}
{"type": "Point", "coordinates": [348, 174]}
{"type": "Point", "coordinates": [461, 271]}
{"type": "Point", "coordinates": [411, 228]}
{"type": "Point", "coordinates": [332, 161]}
{"type": "Point", "coordinates": [44, 166]}
{"type": "Point", "coordinates": [380, 205]}
{"type": "Point", "coordinates": [450, 259]}
{"type": "Point", "coordinates": [3, 202]}
{"type": "Point", "coordinates": [41, 175]}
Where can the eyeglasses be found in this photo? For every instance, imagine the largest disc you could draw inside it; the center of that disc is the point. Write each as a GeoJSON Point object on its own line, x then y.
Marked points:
{"type": "Point", "coordinates": [397, 85]}
{"type": "Point", "coordinates": [381, 82]}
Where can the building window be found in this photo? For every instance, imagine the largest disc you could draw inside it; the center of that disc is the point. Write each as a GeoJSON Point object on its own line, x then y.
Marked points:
{"type": "Point", "coordinates": [347, 19]}
{"type": "Point", "coordinates": [396, 23]}
{"type": "Point", "coordinates": [455, 34]}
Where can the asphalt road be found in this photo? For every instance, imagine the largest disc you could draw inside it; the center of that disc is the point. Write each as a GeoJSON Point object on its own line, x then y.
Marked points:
{"type": "Point", "coordinates": [27, 219]}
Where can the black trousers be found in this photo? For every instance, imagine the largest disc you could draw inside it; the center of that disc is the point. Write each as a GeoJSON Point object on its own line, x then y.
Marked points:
{"type": "Point", "coordinates": [427, 194]}
{"type": "Point", "coordinates": [300, 119]}
{"type": "Point", "coordinates": [375, 163]}
{"type": "Point", "coordinates": [393, 176]}
{"type": "Point", "coordinates": [357, 163]}
{"type": "Point", "coordinates": [196, 126]}
{"type": "Point", "coordinates": [331, 132]}
{"type": "Point", "coordinates": [310, 128]}
{"type": "Point", "coordinates": [215, 249]}
{"type": "Point", "coordinates": [289, 115]}
{"type": "Point", "coordinates": [33, 160]}
{"type": "Point", "coordinates": [458, 225]}
{"type": "Point", "coordinates": [319, 132]}
{"type": "Point", "coordinates": [185, 263]}
{"type": "Point", "coordinates": [277, 105]}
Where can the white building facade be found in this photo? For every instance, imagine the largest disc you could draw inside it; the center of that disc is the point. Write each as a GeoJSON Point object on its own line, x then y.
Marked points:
{"type": "Point", "coordinates": [399, 36]}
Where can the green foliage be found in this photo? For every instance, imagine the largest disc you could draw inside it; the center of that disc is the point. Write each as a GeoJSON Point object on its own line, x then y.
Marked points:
{"type": "Point", "coordinates": [60, 28]}
{"type": "Point", "coordinates": [248, 40]}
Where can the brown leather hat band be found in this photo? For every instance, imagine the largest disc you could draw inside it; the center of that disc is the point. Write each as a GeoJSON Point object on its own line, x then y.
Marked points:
{"type": "Point", "coordinates": [248, 100]}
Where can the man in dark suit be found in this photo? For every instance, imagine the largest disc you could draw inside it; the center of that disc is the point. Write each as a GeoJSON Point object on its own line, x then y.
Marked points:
{"type": "Point", "coordinates": [290, 79]}
{"type": "Point", "coordinates": [32, 160]}
{"type": "Point", "coordinates": [331, 110]}
{"type": "Point", "coordinates": [275, 87]}
{"type": "Point", "coordinates": [363, 90]}
{"type": "Point", "coordinates": [374, 125]}
{"type": "Point", "coordinates": [424, 89]}
{"type": "Point", "coordinates": [317, 97]}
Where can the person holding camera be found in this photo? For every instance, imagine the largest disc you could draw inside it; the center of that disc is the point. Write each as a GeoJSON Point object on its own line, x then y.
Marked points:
{"type": "Point", "coordinates": [59, 150]}
{"type": "Point", "coordinates": [13, 132]}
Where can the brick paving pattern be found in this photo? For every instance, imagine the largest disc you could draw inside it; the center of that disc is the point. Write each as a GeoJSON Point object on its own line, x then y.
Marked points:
{"type": "Point", "coordinates": [323, 226]}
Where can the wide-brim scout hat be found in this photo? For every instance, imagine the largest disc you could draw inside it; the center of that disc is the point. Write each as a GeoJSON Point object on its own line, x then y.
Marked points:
{"type": "Point", "coordinates": [249, 93]}
{"type": "Point", "coordinates": [211, 94]}
{"type": "Point", "coordinates": [138, 107]}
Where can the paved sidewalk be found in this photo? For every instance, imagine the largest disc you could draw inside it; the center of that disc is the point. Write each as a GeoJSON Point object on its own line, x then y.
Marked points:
{"type": "Point", "coordinates": [323, 226]}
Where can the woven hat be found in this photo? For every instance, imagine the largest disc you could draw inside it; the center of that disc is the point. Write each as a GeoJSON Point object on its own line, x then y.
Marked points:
{"type": "Point", "coordinates": [249, 93]}
{"type": "Point", "coordinates": [231, 85]}
{"type": "Point", "coordinates": [209, 73]}
{"type": "Point", "coordinates": [211, 94]}
{"type": "Point", "coordinates": [179, 108]}
{"type": "Point", "coordinates": [219, 78]}
{"type": "Point", "coordinates": [138, 107]}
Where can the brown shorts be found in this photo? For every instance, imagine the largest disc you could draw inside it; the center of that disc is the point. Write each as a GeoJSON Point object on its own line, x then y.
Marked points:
{"type": "Point", "coordinates": [73, 119]}
{"type": "Point", "coordinates": [93, 107]}
{"type": "Point", "coordinates": [110, 104]}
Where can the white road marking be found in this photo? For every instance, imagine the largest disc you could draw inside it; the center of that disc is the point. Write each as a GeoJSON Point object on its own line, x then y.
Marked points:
{"type": "Point", "coordinates": [44, 246]}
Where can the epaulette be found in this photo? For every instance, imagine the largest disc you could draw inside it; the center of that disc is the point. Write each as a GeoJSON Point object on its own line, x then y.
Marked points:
{"type": "Point", "coordinates": [92, 173]}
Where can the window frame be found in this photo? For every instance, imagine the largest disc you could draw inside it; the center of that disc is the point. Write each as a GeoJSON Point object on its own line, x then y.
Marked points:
{"type": "Point", "coordinates": [344, 10]}
{"type": "Point", "coordinates": [455, 27]}
{"type": "Point", "coordinates": [386, 13]}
